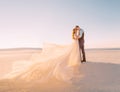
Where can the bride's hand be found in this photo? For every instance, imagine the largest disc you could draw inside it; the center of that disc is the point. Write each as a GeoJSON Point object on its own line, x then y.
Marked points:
{"type": "Point", "coordinates": [76, 38]}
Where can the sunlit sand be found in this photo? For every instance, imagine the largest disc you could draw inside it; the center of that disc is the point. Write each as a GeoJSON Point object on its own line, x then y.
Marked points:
{"type": "Point", "coordinates": [100, 74]}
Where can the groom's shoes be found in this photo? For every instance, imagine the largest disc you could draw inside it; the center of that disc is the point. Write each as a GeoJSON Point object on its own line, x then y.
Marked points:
{"type": "Point", "coordinates": [83, 61]}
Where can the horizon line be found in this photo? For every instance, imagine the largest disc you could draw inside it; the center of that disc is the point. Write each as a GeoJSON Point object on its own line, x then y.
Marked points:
{"type": "Point", "coordinates": [33, 48]}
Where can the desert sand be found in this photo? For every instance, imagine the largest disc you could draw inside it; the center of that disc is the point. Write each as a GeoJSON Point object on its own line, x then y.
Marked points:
{"type": "Point", "coordinates": [101, 73]}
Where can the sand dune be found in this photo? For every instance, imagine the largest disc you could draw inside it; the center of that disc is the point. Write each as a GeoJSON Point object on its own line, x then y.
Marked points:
{"type": "Point", "coordinates": [96, 76]}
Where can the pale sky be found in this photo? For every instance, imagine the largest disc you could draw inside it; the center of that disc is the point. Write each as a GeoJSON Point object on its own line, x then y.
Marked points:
{"type": "Point", "coordinates": [30, 23]}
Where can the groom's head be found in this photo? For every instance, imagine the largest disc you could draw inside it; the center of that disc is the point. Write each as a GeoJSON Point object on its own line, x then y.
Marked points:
{"type": "Point", "coordinates": [77, 27]}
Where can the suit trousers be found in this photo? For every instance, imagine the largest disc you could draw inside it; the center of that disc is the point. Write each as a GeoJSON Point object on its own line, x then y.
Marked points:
{"type": "Point", "coordinates": [82, 50]}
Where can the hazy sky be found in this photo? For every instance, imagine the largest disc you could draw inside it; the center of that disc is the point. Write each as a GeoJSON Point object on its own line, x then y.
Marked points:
{"type": "Point", "coordinates": [30, 23]}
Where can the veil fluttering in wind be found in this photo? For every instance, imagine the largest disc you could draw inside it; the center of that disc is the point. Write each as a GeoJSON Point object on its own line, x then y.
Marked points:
{"type": "Point", "coordinates": [54, 61]}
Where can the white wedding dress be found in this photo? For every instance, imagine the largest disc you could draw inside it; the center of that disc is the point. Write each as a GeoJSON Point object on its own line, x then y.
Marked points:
{"type": "Point", "coordinates": [53, 62]}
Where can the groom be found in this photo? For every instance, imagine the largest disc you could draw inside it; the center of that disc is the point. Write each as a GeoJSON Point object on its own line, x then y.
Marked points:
{"type": "Point", "coordinates": [81, 41]}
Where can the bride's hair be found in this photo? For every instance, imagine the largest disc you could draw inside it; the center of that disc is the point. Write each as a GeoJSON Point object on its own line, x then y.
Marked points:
{"type": "Point", "coordinates": [73, 32]}
{"type": "Point", "coordinates": [74, 29]}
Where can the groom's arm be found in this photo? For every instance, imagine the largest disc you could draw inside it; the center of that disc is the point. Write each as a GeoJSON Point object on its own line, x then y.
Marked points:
{"type": "Point", "coordinates": [83, 35]}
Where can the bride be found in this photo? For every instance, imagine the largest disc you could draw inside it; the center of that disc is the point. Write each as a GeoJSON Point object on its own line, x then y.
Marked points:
{"type": "Point", "coordinates": [60, 62]}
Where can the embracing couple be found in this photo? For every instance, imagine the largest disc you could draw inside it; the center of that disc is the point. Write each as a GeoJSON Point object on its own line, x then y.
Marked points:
{"type": "Point", "coordinates": [78, 34]}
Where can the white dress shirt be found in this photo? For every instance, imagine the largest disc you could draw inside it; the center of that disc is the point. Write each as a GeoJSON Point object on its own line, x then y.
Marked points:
{"type": "Point", "coordinates": [79, 33]}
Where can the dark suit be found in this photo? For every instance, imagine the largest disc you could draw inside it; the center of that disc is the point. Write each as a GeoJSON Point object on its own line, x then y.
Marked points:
{"type": "Point", "coordinates": [81, 46]}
